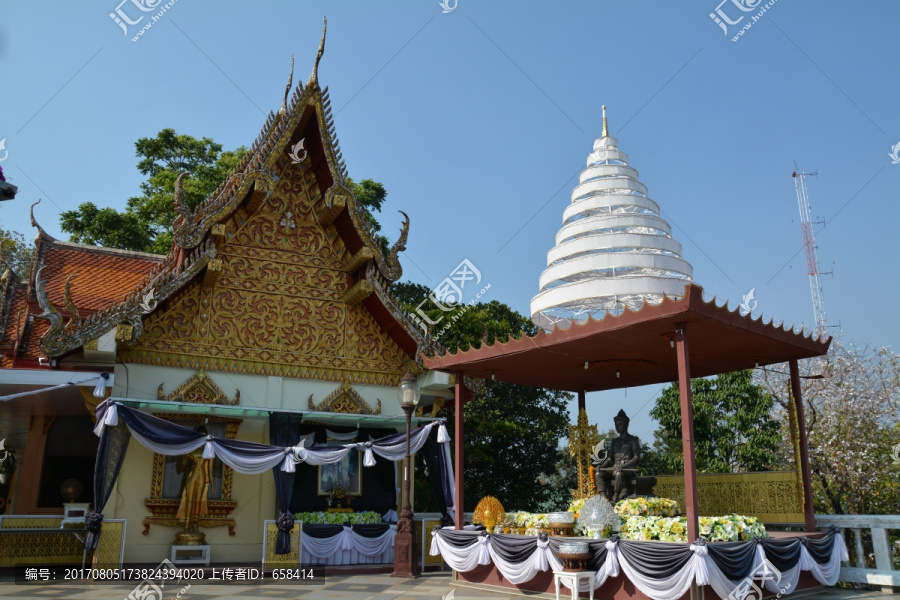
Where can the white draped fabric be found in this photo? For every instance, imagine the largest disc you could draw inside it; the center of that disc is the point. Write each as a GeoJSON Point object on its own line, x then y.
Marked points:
{"type": "Point", "coordinates": [352, 557]}
{"type": "Point", "coordinates": [462, 559]}
{"type": "Point", "coordinates": [250, 458]}
{"type": "Point", "coordinates": [700, 568]}
{"type": "Point", "coordinates": [541, 560]}
{"type": "Point", "coordinates": [673, 587]}
{"type": "Point", "coordinates": [828, 573]}
{"type": "Point", "coordinates": [348, 539]}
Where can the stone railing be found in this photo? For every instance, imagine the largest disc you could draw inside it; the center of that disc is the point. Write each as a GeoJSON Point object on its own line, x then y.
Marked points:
{"type": "Point", "coordinates": [884, 573]}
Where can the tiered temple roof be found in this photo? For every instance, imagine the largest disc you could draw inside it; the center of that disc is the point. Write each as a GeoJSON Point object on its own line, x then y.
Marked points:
{"type": "Point", "coordinates": [288, 240]}
{"type": "Point", "coordinates": [614, 249]}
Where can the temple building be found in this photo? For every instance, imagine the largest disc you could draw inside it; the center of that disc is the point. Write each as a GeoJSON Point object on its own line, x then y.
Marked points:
{"type": "Point", "coordinates": [274, 302]}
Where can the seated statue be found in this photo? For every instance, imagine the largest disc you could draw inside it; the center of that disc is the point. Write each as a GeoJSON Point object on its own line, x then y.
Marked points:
{"type": "Point", "coordinates": [615, 476]}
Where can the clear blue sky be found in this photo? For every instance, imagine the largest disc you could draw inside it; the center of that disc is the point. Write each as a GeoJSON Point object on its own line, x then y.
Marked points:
{"type": "Point", "coordinates": [477, 121]}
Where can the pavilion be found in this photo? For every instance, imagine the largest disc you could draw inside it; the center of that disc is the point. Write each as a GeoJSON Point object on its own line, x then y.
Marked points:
{"type": "Point", "coordinates": [618, 308]}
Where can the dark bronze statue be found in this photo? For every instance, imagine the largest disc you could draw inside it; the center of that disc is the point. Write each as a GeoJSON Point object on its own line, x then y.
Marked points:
{"type": "Point", "coordinates": [616, 474]}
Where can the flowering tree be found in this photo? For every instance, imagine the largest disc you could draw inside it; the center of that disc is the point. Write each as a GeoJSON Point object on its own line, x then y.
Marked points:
{"type": "Point", "coordinates": [852, 414]}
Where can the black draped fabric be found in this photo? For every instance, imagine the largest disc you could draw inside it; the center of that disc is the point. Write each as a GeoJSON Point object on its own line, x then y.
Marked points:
{"type": "Point", "coordinates": [655, 560]}
{"type": "Point", "coordinates": [326, 531]}
{"type": "Point", "coordinates": [734, 558]}
{"type": "Point", "coordinates": [110, 455]}
{"type": "Point", "coordinates": [437, 475]}
{"type": "Point", "coordinates": [371, 530]}
{"type": "Point", "coordinates": [158, 431]}
{"type": "Point", "coordinates": [321, 531]}
{"type": "Point", "coordinates": [783, 553]}
{"type": "Point", "coordinates": [459, 539]}
{"type": "Point", "coordinates": [514, 548]}
{"type": "Point", "coordinates": [284, 430]}
{"type": "Point", "coordinates": [821, 548]}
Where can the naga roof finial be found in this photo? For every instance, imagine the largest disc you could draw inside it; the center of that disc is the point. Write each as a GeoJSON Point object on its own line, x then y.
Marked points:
{"type": "Point", "coordinates": [41, 233]}
{"type": "Point", "coordinates": [181, 205]}
{"type": "Point", "coordinates": [287, 89]}
{"type": "Point", "coordinates": [605, 129]}
{"type": "Point", "coordinates": [314, 77]}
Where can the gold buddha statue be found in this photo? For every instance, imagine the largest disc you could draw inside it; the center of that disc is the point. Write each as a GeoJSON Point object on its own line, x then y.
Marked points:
{"type": "Point", "coordinates": [195, 491]}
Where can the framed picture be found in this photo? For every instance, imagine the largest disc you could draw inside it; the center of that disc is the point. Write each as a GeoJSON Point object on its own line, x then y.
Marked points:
{"type": "Point", "coordinates": [345, 473]}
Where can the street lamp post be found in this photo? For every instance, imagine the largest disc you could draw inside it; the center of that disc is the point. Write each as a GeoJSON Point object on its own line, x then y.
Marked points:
{"type": "Point", "coordinates": [405, 564]}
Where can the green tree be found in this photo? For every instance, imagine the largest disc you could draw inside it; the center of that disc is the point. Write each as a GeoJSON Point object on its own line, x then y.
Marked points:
{"type": "Point", "coordinates": [512, 432]}
{"type": "Point", "coordinates": [733, 427]}
{"type": "Point", "coordinates": [15, 253]}
{"type": "Point", "coordinates": [371, 195]}
{"type": "Point", "coordinates": [146, 223]}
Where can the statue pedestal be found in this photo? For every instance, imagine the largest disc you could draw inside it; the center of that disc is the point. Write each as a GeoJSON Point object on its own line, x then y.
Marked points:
{"type": "Point", "coordinates": [189, 555]}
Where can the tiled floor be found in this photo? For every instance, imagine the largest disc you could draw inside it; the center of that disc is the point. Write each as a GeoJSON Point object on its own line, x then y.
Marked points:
{"type": "Point", "coordinates": [432, 586]}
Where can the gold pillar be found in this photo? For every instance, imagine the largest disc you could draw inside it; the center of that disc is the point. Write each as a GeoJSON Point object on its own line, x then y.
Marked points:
{"type": "Point", "coordinates": [582, 439]}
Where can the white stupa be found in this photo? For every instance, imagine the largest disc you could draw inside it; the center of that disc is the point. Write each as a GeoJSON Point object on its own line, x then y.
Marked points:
{"type": "Point", "coordinates": [613, 250]}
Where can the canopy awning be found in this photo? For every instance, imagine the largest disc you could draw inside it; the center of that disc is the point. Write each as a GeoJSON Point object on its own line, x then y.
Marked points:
{"type": "Point", "coordinates": [636, 348]}
{"type": "Point", "coordinates": [221, 410]}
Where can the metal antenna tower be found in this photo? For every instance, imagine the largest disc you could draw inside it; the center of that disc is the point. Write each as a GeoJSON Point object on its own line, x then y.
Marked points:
{"type": "Point", "coordinates": [809, 244]}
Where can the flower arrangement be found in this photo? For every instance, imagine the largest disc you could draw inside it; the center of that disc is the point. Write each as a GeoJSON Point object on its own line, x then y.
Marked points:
{"type": "Point", "coordinates": [576, 505]}
{"type": "Point", "coordinates": [646, 507]}
{"type": "Point", "coordinates": [597, 518]}
{"type": "Point", "coordinates": [528, 523]}
{"type": "Point", "coordinates": [323, 518]}
{"type": "Point", "coordinates": [674, 529]}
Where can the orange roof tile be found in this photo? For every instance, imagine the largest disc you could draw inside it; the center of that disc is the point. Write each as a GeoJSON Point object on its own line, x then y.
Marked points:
{"type": "Point", "coordinates": [104, 275]}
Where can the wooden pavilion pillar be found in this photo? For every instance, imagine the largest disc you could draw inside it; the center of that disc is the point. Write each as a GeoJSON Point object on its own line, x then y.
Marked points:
{"type": "Point", "coordinates": [459, 392]}
{"type": "Point", "coordinates": [581, 402]}
{"type": "Point", "coordinates": [687, 432]}
{"type": "Point", "coordinates": [808, 510]}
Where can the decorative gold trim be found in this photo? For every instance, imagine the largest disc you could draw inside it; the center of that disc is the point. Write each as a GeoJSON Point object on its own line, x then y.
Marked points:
{"type": "Point", "coordinates": [214, 271]}
{"type": "Point", "coordinates": [356, 261]}
{"type": "Point", "coordinates": [335, 202]}
{"type": "Point", "coordinates": [199, 389]}
{"type": "Point", "coordinates": [358, 293]}
{"type": "Point", "coordinates": [345, 400]}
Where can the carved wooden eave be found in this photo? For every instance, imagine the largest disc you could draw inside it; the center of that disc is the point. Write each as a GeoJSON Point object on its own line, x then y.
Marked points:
{"type": "Point", "coordinates": [200, 233]}
{"type": "Point", "coordinates": [199, 389]}
{"type": "Point", "coordinates": [345, 399]}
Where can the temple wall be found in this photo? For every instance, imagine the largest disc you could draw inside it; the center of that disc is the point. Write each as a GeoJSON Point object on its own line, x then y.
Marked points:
{"type": "Point", "coordinates": [257, 391]}
{"type": "Point", "coordinates": [254, 494]}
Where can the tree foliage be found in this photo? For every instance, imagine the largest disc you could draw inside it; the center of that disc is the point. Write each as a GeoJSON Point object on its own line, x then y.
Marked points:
{"type": "Point", "coordinates": [512, 432]}
{"type": "Point", "coordinates": [733, 429]}
{"type": "Point", "coordinates": [146, 223]}
{"type": "Point", "coordinates": [852, 415]}
{"type": "Point", "coordinates": [371, 195]}
{"type": "Point", "coordinates": [15, 253]}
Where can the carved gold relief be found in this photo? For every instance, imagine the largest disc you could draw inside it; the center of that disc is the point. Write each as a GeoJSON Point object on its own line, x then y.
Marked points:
{"type": "Point", "coordinates": [770, 496]}
{"type": "Point", "coordinates": [278, 307]}
{"type": "Point", "coordinates": [199, 389]}
{"type": "Point", "coordinates": [345, 400]}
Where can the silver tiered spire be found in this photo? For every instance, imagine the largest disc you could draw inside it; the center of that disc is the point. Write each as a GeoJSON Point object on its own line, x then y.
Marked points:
{"type": "Point", "coordinates": [613, 250]}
